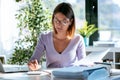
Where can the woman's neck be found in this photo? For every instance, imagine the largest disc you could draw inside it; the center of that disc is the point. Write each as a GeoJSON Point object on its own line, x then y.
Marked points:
{"type": "Point", "coordinates": [61, 36]}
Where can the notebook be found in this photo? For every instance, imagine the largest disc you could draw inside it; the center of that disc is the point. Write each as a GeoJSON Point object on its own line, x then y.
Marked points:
{"type": "Point", "coordinates": [13, 68]}
{"type": "Point", "coordinates": [80, 72]}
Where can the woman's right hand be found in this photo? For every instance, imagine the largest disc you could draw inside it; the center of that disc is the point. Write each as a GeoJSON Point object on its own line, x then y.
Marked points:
{"type": "Point", "coordinates": [33, 65]}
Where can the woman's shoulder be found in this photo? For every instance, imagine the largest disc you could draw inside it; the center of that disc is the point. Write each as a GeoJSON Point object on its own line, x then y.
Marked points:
{"type": "Point", "coordinates": [78, 39]}
{"type": "Point", "coordinates": [78, 36]}
{"type": "Point", "coordinates": [45, 34]}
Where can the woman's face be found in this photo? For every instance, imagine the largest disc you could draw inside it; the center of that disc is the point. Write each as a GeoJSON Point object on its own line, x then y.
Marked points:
{"type": "Point", "coordinates": [61, 22]}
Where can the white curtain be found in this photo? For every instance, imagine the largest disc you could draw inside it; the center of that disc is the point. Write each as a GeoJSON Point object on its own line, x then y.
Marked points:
{"type": "Point", "coordinates": [8, 30]}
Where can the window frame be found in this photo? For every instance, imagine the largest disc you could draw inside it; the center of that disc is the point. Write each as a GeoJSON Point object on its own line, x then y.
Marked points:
{"type": "Point", "coordinates": [91, 11]}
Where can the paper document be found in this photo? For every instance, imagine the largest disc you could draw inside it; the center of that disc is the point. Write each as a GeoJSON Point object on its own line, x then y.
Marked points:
{"type": "Point", "coordinates": [95, 56]}
{"type": "Point", "coordinates": [41, 72]}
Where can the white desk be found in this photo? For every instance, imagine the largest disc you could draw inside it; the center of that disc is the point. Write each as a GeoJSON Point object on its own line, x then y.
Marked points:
{"type": "Point", "coordinates": [114, 53]}
{"type": "Point", "coordinates": [25, 76]}
{"type": "Point", "coordinates": [93, 48]}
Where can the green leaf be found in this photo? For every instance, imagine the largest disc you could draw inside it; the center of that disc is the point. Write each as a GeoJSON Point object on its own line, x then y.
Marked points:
{"type": "Point", "coordinates": [87, 30]}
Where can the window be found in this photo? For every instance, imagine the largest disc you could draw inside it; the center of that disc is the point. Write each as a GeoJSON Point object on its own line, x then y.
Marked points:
{"type": "Point", "coordinates": [109, 19]}
{"type": "Point", "coordinates": [8, 31]}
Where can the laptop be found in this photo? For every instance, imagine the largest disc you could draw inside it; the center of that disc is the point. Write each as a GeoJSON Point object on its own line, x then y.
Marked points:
{"type": "Point", "coordinates": [5, 68]}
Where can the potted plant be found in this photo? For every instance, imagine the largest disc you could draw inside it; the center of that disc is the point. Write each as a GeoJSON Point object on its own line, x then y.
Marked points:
{"type": "Point", "coordinates": [86, 31]}
{"type": "Point", "coordinates": [33, 18]}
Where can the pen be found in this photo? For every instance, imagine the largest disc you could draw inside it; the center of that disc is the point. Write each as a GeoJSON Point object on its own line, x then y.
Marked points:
{"type": "Point", "coordinates": [104, 63]}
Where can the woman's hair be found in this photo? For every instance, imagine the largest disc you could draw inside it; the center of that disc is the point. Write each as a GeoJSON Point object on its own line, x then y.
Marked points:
{"type": "Point", "coordinates": [66, 9]}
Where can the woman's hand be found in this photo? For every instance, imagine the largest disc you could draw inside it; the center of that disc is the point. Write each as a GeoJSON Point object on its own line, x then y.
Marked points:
{"type": "Point", "coordinates": [33, 65]}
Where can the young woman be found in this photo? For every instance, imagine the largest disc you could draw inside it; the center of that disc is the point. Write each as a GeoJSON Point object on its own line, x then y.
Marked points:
{"type": "Point", "coordinates": [63, 48]}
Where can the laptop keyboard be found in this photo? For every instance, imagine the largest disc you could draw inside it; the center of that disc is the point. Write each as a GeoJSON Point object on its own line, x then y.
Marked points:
{"type": "Point", "coordinates": [13, 68]}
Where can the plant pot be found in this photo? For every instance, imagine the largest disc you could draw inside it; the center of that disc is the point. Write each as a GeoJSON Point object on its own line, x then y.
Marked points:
{"type": "Point", "coordinates": [86, 41]}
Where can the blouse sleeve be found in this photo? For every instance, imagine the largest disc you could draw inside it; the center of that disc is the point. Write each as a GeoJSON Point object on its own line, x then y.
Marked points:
{"type": "Point", "coordinates": [39, 49]}
{"type": "Point", "coordinates": [81, 52]}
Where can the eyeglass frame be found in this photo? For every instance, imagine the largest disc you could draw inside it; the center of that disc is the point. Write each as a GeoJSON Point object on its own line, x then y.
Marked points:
{"type": "Point", "coordinates": [63, 22]}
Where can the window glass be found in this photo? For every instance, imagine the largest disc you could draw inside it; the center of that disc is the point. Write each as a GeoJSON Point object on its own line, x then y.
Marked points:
{"type": "Point", "coordinates": [109, 19]}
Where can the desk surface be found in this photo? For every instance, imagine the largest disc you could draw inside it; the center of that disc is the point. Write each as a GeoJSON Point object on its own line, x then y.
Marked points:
{"type": "Point", "coordinates": [93, 48]}
{"type": "Point", "coordinates": [25, 76]}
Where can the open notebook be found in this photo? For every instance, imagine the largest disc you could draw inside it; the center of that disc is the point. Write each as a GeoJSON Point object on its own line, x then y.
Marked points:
{"type": "Point", "coordinates": [13, 68]}
{"type": "Point", "coordinates": [93, 57]}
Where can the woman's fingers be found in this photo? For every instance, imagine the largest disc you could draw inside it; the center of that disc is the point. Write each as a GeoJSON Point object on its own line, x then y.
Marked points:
{"type": "Point", "coordinates": [33, 65]}
{"type": "Point", "coordinates": [36, 62]}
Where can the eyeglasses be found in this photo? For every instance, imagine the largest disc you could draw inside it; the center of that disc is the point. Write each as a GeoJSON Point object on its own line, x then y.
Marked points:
{"type": "Point", "coordinates": [63, 23]}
